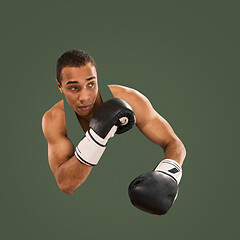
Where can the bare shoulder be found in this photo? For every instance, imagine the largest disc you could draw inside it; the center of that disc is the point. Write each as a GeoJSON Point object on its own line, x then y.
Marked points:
{"type": "Point", "coordinates": [53, 122]}
{"type": "Point", "coordinates": [139, 103]}
{"type": "Point", "coordinates": [126, 93]}
{"type": "Point", "coordinates": [119, 90]}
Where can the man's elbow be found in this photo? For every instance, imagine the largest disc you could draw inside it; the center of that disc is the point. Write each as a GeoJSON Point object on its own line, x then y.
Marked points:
{"type": "Point", "coordinates": [65, 185]}
{"type": "Point", "coordinates": [69, 190]}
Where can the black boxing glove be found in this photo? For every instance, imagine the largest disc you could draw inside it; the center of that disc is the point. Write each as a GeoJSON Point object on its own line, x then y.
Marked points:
{"type": "Point", "coordinates": [113, 116]}
{"type": "Point", "coordinates": [113, 112]}
{"type": "Point", "coordinates": [155, 192]}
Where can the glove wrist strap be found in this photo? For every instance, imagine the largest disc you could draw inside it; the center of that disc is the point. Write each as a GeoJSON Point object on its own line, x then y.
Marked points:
{"type": "Point", "coordinates": [171, 168]}
{"type": "Point", "coordinates": [90, 148]}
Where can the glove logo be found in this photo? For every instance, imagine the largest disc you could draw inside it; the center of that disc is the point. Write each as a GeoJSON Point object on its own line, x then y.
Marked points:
{"type": "Point", "coordinates": [173, 170]}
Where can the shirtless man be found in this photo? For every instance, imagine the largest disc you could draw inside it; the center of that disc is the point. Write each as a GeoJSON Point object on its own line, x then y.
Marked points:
{"type": "Point", "coordinates": [77, 80]}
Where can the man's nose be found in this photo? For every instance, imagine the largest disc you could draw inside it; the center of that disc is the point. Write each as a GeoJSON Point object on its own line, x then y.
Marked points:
{"type": "Point", "coordinates": [83, 96]}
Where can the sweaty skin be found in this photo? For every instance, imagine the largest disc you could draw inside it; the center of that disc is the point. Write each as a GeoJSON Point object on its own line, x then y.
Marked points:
{"type": "Point", "coordinates": [79, 85]}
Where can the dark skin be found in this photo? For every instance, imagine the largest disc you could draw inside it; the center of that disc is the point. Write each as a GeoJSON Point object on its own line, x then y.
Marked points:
{"type": "Point", "coordinates": [79, 85]}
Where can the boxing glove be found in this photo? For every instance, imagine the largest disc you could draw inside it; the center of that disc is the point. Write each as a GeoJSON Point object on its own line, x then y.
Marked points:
{"type": "Point", "coordinates": [155, 192]}
{"type": "Point", "coordinates": [113, 116]}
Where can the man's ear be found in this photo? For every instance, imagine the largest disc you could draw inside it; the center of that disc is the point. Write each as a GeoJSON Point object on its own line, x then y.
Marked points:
{"type": "Point", "coordinates": [59, 86]}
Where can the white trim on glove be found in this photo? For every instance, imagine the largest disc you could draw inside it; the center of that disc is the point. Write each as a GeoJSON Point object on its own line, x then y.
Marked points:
{"type": "Point", "coordinates": [91, 147]}
{"type": "Point", "coordinates": [171, 168]}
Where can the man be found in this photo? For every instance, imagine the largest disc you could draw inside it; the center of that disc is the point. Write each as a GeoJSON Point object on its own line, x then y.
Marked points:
{"type": "Point", "coordinates": [77, 80]}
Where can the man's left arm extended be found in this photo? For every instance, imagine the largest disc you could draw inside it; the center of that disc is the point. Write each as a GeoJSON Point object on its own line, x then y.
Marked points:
{"type": "Point", "coordinates": [154, 126]}
{"type": "Point", "coordinates": [157, 190]}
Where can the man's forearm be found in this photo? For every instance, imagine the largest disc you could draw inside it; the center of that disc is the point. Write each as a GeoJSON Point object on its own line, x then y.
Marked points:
{"type": "Point", "coordinates": [71, 174]}
{"type": "Point", "coordinates": [175, 150]}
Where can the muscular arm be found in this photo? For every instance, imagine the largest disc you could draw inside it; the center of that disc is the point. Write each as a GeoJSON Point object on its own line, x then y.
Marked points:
{"type": "Point", "coordinates": [160, 132]}
{"type": "Point", "coordinates": [68, 171]}
{"type": "Point", "coordinates": [151, 124]}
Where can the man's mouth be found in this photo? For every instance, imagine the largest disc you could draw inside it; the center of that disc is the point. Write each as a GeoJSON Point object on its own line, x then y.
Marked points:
{"type": "Point", "coordinates": [84, 108]}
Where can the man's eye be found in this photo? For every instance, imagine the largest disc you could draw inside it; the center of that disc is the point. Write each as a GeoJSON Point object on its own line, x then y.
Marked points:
{"type": "Point", "coordinates": [73, 88]}
{"type": "Point", "coordinates": [91, 84]}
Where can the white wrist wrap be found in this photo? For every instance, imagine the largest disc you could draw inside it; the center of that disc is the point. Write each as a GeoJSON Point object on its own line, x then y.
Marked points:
{"type": "Point", "coordinates": [171, 168]}
{"type": "Point", "coordinates": [91, 147]}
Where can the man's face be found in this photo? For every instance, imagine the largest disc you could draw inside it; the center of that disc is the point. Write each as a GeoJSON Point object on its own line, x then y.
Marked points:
{"type": "Point", "coordinates": [79, 85]}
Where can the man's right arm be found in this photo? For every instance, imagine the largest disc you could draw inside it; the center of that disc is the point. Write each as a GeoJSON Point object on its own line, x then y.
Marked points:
{"type": "Point", "coordinates": [68, 171]}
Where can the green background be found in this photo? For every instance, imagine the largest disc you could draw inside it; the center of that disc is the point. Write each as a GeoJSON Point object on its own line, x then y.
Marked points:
{"type": "Point", "coordinates": [182, 55]}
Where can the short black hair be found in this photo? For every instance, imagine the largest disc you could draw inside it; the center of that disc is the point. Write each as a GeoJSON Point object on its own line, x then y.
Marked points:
{"type": "Point", "coordinates": [73, 58]}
